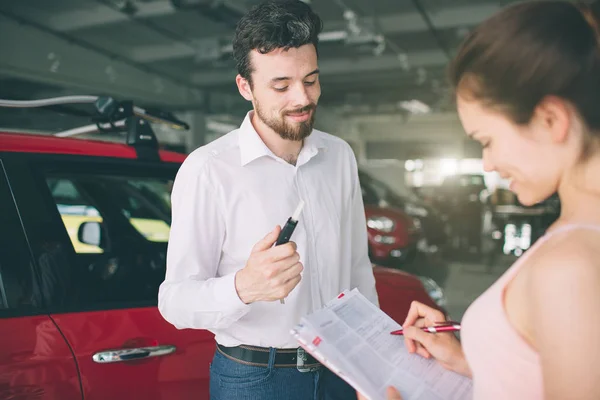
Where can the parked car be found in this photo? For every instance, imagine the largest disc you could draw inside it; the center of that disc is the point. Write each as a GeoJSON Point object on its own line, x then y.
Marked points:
{"type": "Point", "coordinates": [513, 227]}
{"type": "Point", "coordinates": [397, 289]}
{"type": "Point", "coordinates": [459, 198]}
{"type": "Point", "coordinates": [84, 228]}
{"type": "Point", "coordinates": [429, 221]}
{"type": "Point", "coordinates": [393, 236]}
{"type": "Point", "coordinates": [461, 189]}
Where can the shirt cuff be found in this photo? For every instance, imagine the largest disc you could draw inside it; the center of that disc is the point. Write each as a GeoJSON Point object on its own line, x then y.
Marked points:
{"type": "Point", "coordinates": [227, 296]}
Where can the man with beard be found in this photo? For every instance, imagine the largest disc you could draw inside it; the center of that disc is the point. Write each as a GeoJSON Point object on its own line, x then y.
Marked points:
{"type": "Point", "coordinates": [229, 199]}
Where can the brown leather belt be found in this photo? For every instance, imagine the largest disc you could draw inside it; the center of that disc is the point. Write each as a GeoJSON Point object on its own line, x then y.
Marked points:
{"type": "Point", "coordinates": [259, 356]}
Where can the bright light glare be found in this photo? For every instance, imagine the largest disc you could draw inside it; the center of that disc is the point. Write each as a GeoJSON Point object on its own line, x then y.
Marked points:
{"type": "Point", "coordinates": [448, 166]}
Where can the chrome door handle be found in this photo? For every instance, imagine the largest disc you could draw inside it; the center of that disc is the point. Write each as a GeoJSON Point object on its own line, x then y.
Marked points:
{"type": "Point", "coordinates": [119, 355]}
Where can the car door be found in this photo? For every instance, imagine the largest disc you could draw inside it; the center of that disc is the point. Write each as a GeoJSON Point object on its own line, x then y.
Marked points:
{"type": "Point", "coordinates": [111, 218]}
{"type": "Point", "coordinates": [35, 360]}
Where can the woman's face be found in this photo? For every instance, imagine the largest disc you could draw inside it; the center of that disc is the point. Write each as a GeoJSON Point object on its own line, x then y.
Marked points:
{"type": "Point", "coordinates": [525, 155]}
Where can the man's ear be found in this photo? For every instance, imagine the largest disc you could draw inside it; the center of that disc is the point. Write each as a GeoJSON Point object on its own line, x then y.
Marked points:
{"type": "Point", "coordinates": [554, 115]}
{"type": "Point", "coordinates": [244, 87]}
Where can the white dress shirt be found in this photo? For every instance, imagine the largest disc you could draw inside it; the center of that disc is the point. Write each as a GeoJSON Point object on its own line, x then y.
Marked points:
{"type": "Point", "coordinates": [226, 197]}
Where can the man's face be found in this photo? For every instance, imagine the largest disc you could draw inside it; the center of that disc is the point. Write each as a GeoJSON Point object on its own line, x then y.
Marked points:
{"type": "Point", "coordinates": [285, 90]}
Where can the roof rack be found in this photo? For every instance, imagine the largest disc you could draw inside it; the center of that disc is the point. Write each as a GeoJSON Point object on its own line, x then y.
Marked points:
{"type": "Point", "coordinates": [110, 115]}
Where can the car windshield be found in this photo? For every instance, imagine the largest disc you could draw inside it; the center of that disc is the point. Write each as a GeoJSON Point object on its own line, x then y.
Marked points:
{"type": "Point", "coordinates": [384, 192]}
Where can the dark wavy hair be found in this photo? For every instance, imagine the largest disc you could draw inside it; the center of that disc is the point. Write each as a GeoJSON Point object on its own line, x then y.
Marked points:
{"type": "Point", "coordinates": [273, 25]}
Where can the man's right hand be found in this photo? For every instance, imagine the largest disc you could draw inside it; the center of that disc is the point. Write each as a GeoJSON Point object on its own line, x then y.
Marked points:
{"type": "Point", "coordinates": [271, 272]}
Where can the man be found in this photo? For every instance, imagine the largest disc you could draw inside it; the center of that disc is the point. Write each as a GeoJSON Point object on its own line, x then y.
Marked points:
{"type": "Point", "coordinates": [223, 273]}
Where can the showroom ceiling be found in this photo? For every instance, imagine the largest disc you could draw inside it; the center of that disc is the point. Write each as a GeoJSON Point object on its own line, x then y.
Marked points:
{"type": "Point", "coordinates": [374, 54]}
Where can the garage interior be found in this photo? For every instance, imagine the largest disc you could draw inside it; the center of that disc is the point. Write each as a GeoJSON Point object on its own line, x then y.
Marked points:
{"type": "Point", "coordinates": [382, 69]}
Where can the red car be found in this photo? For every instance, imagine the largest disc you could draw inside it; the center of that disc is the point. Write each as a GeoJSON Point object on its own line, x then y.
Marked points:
{"type": "Point", "coordinates": [84, 228]}
{"type": "Point", "coordinates": [393, 235]}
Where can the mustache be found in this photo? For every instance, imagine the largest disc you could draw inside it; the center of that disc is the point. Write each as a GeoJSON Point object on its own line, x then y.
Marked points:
{"type": "Point", "coordinates": [302, 110]}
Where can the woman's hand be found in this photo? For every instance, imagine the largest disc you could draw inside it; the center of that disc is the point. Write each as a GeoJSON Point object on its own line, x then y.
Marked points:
{"type": "Point", "coordinates": [444, 347]}
{"type": "Point", "coordinates": [392, 394]}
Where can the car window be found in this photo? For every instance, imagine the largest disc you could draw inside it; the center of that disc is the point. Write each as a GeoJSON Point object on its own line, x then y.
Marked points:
{"type": "Point", "coordinates": [379, 188]}
{"type": "Point", "coordinates": [19, 293]}
{"type": "Point", "coordinates": [144, 202]}
{"type": "Point", "coordinates": [119, 227]}
{"type": "Point", "coordinates": [368, 194]}
{"type": "Point", "coordinates": [382, 191]}
{"type": "Point", "coordinates": [74, 209]}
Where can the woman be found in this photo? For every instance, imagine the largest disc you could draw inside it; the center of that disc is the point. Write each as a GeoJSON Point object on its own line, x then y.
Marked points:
{"type": "Point", "coordinates": [528, 89]}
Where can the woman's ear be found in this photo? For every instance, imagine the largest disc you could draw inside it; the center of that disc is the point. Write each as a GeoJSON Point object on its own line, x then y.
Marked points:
{"type": "Point", "coordinates": [554, 116]}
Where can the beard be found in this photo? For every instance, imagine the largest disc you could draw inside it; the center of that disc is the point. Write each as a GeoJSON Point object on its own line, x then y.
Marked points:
{"type": "Point", "coordinates": [288, 130]}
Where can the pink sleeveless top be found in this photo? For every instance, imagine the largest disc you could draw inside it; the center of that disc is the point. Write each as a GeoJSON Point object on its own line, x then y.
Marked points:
{"type": "Point", "coordinates": [503, 364]}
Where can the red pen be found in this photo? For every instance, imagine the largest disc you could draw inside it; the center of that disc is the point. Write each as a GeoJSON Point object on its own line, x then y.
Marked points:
{"type": "Point", "coordinates": [449, 326]}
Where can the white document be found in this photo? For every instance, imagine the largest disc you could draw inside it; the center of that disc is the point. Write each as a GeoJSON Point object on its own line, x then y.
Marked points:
{"type": "Point", "coordinates": [351, 336]}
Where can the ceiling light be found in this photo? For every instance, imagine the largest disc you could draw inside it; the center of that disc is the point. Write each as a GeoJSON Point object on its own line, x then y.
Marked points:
{"type": "Point", "coordinates": [414, 106]}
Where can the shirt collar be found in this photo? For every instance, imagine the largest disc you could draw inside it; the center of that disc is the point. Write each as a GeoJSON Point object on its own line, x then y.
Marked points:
{"type": "Point", "coordinates": [252, 146]}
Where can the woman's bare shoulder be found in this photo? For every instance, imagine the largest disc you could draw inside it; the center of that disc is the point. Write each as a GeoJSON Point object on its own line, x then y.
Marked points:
{"type": "Point", "coordinates": [568, 258]}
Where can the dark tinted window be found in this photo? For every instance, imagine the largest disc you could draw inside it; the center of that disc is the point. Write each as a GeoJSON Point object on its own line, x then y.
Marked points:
{"type": "Point", "coordinates": [118, 226]}
{"type": "Point", "coordinates": [18, 290]}
{"type": "Point", "coordinates": [143, 202]}
{"type": "Point", "coordinates": [368, 194]}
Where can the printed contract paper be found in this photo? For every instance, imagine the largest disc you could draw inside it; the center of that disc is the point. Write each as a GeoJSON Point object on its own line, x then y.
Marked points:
{"type": "Point", "coordinates": [351, 336]}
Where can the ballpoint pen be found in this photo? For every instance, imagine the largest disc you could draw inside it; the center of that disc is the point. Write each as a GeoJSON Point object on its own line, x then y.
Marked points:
{"type": "Point", "coordinates": [288, 229]}
{"type": "Point", "coordinates": [448, 326]}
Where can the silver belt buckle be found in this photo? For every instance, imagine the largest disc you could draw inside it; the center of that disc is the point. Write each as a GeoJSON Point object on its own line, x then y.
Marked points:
{"type": "Point", "coordinates": [301, 359]}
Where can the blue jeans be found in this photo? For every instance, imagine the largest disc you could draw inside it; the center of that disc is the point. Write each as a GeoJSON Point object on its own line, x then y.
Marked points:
{"type": "Point", "coordinates": [231, 380]}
